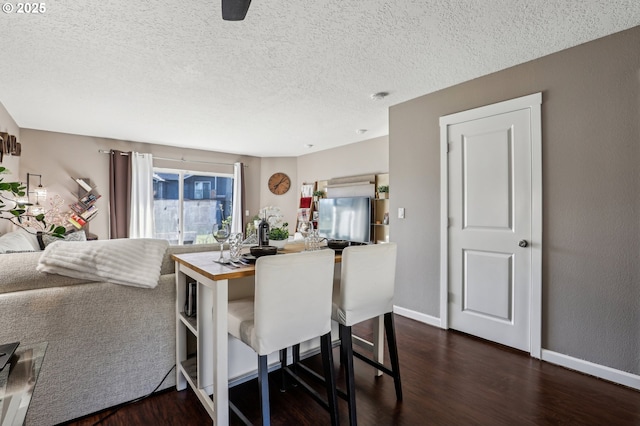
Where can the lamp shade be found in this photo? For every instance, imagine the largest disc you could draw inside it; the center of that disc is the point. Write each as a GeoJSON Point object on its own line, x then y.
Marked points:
{"type": "Point", "coordinates": [36, 210]}
{"type": "Point", "coordinates": [41, 192]}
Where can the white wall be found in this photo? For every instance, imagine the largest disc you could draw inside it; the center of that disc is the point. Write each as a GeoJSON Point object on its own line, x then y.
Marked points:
{"type": "Point", "coordinates": [58, 156]}
{"type": "Point", "coordinates": [366, 157]}
{"type": "Point", "coordinates": [287, 202]}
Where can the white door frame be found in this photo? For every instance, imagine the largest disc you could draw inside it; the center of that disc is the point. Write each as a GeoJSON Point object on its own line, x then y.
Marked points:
{"type": "Point", "coordinates": [533, 103]}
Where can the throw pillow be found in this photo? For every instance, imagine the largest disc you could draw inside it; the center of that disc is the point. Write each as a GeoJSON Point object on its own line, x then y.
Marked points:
{"type": "Point", "coordinates": [74, 236]}
{"type": "Point", "coordinates": [15, 241]}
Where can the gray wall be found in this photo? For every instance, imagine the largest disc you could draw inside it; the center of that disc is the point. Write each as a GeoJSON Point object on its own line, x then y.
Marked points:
{"type": "Point", "coordinates": [591, 165]}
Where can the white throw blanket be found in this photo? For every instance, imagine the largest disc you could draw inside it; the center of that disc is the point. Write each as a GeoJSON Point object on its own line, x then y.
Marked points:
{"type": "Point", "coordinates": [133, 262]}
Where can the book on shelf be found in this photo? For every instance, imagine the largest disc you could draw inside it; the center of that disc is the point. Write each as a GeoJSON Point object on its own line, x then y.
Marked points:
{"type": "Point", "coordinates": [306, 190]}
{"type": "Point", "coordinates": [84, 185]}
{"type": "Point", "coordinates": [78, 207]}
{"type": "Point", "coordinates": [303, 214]}
{"type": "Point", "coordinates": [76, 221]}
{"type": "Point", "coordinates": [89, 199]}
{"type": "Point", "coordinates": [89, 213]}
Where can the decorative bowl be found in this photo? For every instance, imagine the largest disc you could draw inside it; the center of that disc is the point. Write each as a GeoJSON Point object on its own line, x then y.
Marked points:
{"type": "Point", "coordinates": [337, 244]}
{"type": "Point", "coordinates": [258, 251]}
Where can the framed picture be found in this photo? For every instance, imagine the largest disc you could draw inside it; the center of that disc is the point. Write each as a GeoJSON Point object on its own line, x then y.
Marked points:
{"type": "Point", "coordinates": [18, 149]}
{"type": "Point", "coordinates": [4, 141]}
{"type": "Point", "coordinates": [12, 144]}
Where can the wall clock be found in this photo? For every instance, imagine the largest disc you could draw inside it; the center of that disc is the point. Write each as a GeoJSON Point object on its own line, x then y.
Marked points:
{"type": "Point", "coordinates": [279, 183]}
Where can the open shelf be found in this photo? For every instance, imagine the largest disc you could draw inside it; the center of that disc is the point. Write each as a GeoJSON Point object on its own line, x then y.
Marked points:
{"type": "Point", "coordinates": [190, 322]}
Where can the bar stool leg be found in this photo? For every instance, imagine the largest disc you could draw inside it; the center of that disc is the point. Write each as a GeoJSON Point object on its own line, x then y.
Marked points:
{"type": "Point", "coordinates": [330, 381]}
{"type": "Point", "coordinates": [284, 382]}
{"type": "Point", "coordinates": [346, 347]}
{"type": "Point", "coordinates": [263, 383]}
{"type": "Point", "coordinates": [342, 359]}
{"type": "Point", "coordinates": [393, 352]}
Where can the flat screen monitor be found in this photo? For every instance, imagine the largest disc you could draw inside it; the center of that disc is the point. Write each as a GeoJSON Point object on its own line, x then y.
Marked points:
{"type": "Point", "coordinates": [346, 218]}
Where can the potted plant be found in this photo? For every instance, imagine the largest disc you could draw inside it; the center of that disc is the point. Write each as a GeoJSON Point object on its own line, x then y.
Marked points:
{"type": "Point", "coordinates": [317, 195]}
{"type": "Point", "coordinates": [279, 235]}
{"type": "Point", "coordinates": [16, 211]}
{"type": "Point", "coordinates": [383, 191]}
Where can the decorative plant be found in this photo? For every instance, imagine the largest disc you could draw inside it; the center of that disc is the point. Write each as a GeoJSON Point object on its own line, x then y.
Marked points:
{"type": "Point", "coordinates": [279, 233]}
{"type": "Point", "coordinates": [318, 194]}
{"type": "Point", "coordinates": [16, 211]}
{"type": "Point", "coordinates": [383, 188]}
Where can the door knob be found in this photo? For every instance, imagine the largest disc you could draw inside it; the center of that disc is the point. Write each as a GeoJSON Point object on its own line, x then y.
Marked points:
{"type": "Point", "coordinates": [523, 243]}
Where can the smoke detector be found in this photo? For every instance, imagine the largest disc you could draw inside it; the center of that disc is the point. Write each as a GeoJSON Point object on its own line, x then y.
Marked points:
{"type": "Point", "coordinates": [379, 96]}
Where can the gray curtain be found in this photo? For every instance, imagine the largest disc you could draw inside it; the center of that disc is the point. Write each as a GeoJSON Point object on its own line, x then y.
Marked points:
{"type": "Point", "coordinates": [120, 194]}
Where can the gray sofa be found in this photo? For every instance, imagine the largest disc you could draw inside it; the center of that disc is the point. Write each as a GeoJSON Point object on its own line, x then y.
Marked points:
{"type": "Point", "coordinates": [107, 343]}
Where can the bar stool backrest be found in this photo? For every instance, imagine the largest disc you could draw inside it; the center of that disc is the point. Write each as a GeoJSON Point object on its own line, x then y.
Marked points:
{"type": "Point", "coordinates": [292, 299]}
{"type": "Point", "coordinates": [367, 282]}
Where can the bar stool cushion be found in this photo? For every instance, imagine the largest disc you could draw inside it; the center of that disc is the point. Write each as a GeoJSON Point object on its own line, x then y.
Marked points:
{"type": "Point", "coordinates": [240, 320]}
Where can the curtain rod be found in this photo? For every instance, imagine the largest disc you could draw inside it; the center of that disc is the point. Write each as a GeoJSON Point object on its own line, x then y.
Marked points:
{"type": "Point", "coordinates": [182, 160]}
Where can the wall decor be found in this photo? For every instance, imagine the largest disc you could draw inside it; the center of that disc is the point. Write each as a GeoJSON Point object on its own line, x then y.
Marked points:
{"type": "Point", "coordinates": [9, 145]}
{"type": "Point", "coordinates": [5, 142]}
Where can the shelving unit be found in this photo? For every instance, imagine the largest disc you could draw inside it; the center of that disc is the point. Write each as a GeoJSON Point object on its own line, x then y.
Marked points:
{"type": "Point", "coordinates": [305, 205]}
{"type": "Point", "coordinates": [84, 209]}
{"type": "Point", "coordinates": [380, 213]}
{"type": "Point", "coordinates": [196, 370]}
{"type": "Point", "coordinates": [380, 225]}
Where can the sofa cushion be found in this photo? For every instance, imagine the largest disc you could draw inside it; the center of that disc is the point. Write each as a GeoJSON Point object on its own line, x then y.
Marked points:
{"type": "Point", "coordinates": [16, 241]}
{"type": "Point", "coordinates": [19, 274]}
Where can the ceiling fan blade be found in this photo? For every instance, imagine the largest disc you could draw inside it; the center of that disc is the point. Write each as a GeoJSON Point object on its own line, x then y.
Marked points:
{"type": "Point", "coordinates": [235, 10]}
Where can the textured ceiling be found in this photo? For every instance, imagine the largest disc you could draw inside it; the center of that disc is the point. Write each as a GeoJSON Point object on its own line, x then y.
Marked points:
{"type": "Point", "coordinates": [292, 73]}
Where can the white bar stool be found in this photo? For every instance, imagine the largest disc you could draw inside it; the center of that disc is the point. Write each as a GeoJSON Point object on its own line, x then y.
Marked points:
{"type": "Point", "coordinates": [365, 291]}
{"type": "Point", "coordinates": [292, 304]}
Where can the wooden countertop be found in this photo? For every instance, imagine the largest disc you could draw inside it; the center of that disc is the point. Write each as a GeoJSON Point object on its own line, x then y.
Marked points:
{"type": "Point", "coordinates": [204, 263]}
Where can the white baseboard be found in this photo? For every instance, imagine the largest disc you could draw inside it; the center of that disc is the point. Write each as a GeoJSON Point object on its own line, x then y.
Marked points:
{"type": "Point", "coordinates": [597, 370]}
{"type": "Point", "coordinates": [418, 316]}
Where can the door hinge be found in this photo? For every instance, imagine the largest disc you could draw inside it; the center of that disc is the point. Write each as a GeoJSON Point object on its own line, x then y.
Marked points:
{"type": "Point", "coordinates": [449, 147]}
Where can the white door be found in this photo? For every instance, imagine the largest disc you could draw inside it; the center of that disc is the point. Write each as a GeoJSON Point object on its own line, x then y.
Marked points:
{"type": "Point", "coordinates": [490, 229]}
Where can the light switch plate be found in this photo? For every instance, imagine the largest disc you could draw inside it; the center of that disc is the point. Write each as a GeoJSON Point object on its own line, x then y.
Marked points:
{"type": "Point", "coordinates": [400, 212]}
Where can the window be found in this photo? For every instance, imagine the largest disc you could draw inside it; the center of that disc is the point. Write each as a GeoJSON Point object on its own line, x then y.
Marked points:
{"type": "Point", "coordinates": [202, 190]}
{"type": "Point", "coordinates": [187, 204]}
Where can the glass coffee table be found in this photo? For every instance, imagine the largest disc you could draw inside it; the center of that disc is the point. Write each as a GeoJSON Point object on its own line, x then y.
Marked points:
{"type": "Point", "coordinates": [17, 381]}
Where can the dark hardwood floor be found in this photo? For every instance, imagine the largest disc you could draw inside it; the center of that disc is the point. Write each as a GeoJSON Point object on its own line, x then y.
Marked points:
{"type": "Point", "coordinates": [448, 379]}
